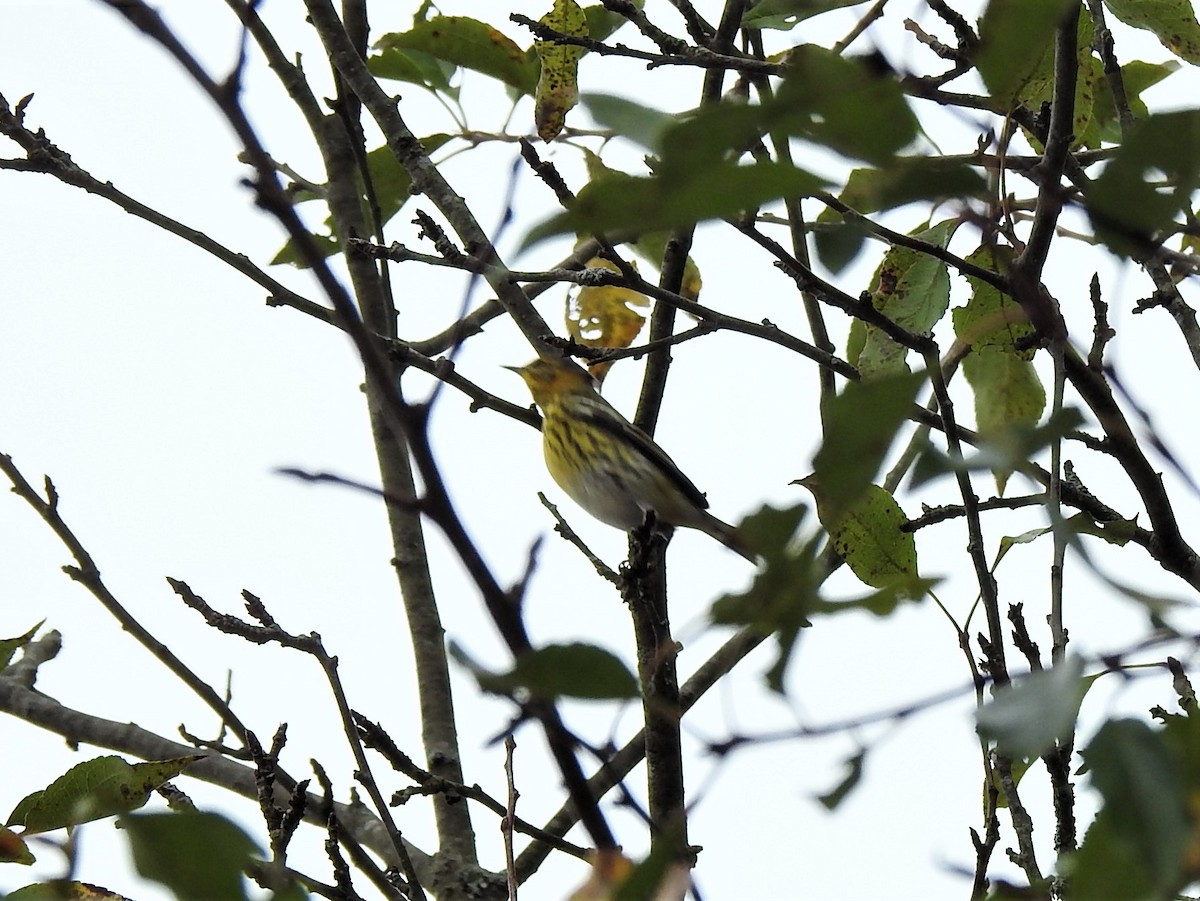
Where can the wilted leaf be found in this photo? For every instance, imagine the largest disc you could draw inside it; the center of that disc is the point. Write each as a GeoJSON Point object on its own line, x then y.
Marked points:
{"type": "Point", "coordinates": [1118, 531]}
{"type": "Point", "coordinates": [602, 316]}
{"type": "Point", "coordinates": [610, 869]}
{"type": "Point", "coordinates": [558, 80]}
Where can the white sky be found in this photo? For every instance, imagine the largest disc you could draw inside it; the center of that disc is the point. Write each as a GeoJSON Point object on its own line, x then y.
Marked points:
{"type": "Point", "coordinates": [160, 393]}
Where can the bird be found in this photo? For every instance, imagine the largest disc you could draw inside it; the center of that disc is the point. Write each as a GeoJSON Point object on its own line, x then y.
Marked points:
{"type": "Point", "coordinates": [606, 464]}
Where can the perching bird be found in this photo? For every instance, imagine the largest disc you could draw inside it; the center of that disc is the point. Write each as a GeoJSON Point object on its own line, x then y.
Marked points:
{"type": "Point", "coordinates": [607, 465]}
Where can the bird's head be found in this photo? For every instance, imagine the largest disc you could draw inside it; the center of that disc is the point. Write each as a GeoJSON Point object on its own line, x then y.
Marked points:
{"type": "Point", "coordinates": [548, 379]}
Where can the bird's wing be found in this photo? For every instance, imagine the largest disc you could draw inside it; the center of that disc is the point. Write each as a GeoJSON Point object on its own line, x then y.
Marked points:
{"type": "Point", "coordinates": [604, 416]}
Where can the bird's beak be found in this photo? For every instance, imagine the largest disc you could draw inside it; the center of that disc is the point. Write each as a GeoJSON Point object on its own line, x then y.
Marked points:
{"type": "Point", "coordinates": [517, 369]}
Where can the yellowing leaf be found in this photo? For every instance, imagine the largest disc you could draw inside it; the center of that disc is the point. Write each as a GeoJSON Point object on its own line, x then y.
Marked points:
{"type": "Point", "coordinates": [13, 848]}
{"type": "Point", "coordinates": [615, 878]}
{"type": "Point", "coordinates": [601, 316]}
{"type": "Point", "coordinates": [651, 248]}
{"type": "Point", "coordinates": [609, 869]}
{"type": "Point", "coordinates": [1172, 21]}
{"type": "Point", "coordinates": [558, 86]}
{"type": "Point", "coordinates": [1007, 389]}
{"type": "Point", "coordinates": [868, 536]}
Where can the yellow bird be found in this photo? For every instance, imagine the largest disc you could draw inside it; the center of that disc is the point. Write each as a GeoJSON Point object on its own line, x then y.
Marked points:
{"type": "Point", "coordinates": [609, 466]}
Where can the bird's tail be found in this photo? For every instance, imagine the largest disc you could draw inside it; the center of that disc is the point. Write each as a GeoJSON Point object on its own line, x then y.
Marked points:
{"type": "Point", "coordinates": [728, 536]}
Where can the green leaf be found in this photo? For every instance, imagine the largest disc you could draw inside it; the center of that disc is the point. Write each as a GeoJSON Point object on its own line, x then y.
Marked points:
{"type": "Point", "coordinates": [1038, 89]}
{"type": "Point", "coordinates": [603, 23]}
{"type": "Point", "coordinates": [1118, 531]}
{"type": "Point", "coordinates": [1144, 821]}
{"type": "Point", "coordinates": [784, 589]}
{"type": "Point", "coordinates": [1007, 542]}
{"type": "Point", "coordinates": [912, 289]}
{"type": "Point", "coordinates": [471, 44]}
{"type": "Point", "coordinates": [641, 124]}
{"type": "Point", "coordinates": [198, 856]}
{"type": "Point", "coordinates": [1008, 449]}
{"type": "Point", "coordinates": [1149, 181]}
{"type": "Point", "coordinates": [1106, 867]}
{"type": "Point", "coordinates": [558, 670]}
{"type": "Point", "coordinates": [1008, 395]}
{"type": "Point", "coordinates": [1136, 77]}
{"type": "Point", "coordinates": [786, 14]}
{"type": "Point", "coordinates": [414, 67]}
{"type": "Point", "coordinates": [627, 203]}
{"type": "Point", "coordinates": [558, 77]}
{"type": "Point", "coordinates": [101, 787]}
{"type": "Point", "coordinates": [1172, 21]}
{"type": "Point", "coordinates": [9, 646]}
{"type": "Point", "coordinates": [883, 602]}
{"type": "Point", "coordinates": [1020, 766]}
{"type": "Point", "coordinates": [991, 319]}
{"type": "Point", "coordinates": [854, 770]}
{"type": "Point", "coordinates": [1028, 716]}
{"type": "Point", "coordinates": [769, 530]}
{"type": "Point", "coordinates": [1008, 392]}
{"type": "Point", "coordinates": [327, 246]}
{"type": "Point", "coordinates": [841, 102]}
{"type": "Point", "coordinates": [860, 425]}
{"type": "Point", "coordinates": [652, 247]}
{"type": "Point", "coordinates": [391, 181]}
{"type": "Point", "coordinates": [868, 537]}
{"type": "Point", "coordinates": [573, 670]}
{"type": "Point", "coordinates": [907, 179]}
{"type": "Point", "coordinates": [838, 245]}
{"type": "Point", "coordinates": [1015, 36]}
{"type": "Point", "coordinates": [393, 188]}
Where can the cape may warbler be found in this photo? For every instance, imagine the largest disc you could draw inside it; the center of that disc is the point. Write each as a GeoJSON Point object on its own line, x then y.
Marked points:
{"type": "Point", "coordinates": [606, 464]}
